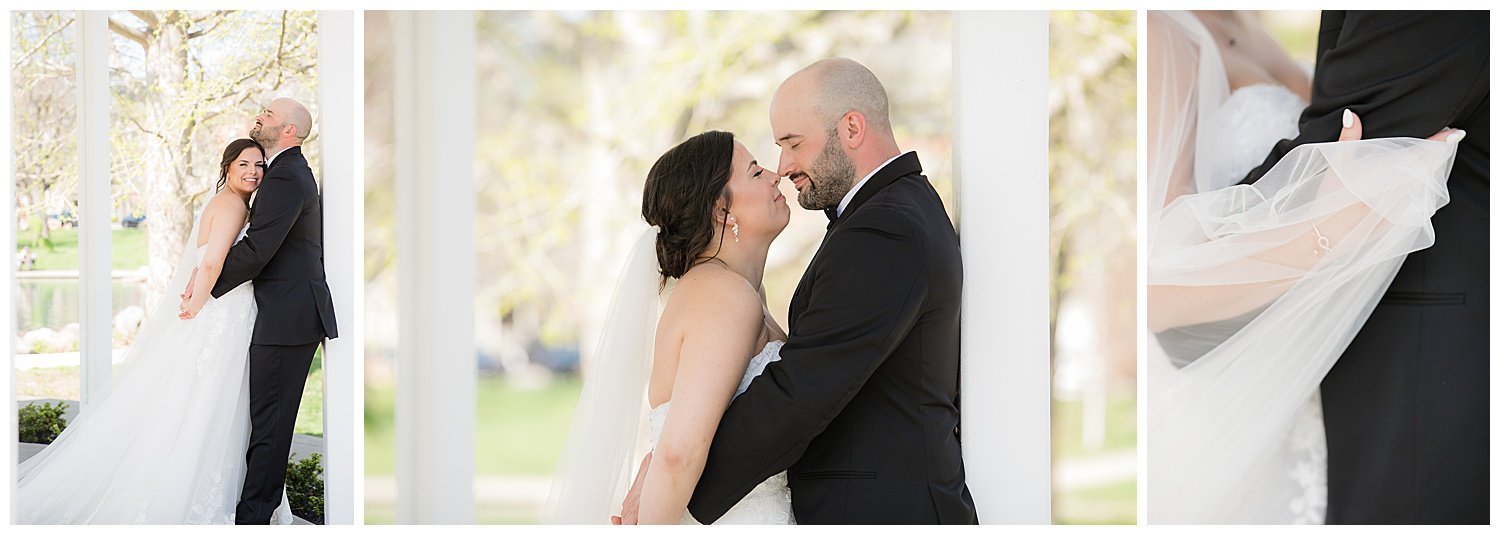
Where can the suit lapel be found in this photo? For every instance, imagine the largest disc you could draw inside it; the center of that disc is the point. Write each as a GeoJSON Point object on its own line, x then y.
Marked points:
{"type": "Point", "coordinates": [903, 165]}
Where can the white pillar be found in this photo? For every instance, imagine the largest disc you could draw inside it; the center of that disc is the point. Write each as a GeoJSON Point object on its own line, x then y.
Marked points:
{"type": "Point", "coordinates": [435, 363]}
{"type": "Point", "coordinates": [7, 298]}
{"type": "Point", "coordinates": [94, 315]}
{"type": "Point", "coordinates": [341, 103]}
{"type": "Point", "coordinates": [1000, 130]}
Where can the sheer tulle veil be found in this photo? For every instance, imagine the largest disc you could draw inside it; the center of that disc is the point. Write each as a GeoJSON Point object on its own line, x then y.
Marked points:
{"type": "Point", "coordinates": [1275, 278]}
{"type": "Point", "coordinates": [609, 433]}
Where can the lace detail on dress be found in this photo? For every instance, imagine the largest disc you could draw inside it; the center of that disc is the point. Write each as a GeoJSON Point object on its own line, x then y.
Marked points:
{"type": "Point", "coordinates": [770, 502]}
{"type": "Point", "coordinates": [1248, 124]}
{"type": "Point", "coordinates": [1308, 446]}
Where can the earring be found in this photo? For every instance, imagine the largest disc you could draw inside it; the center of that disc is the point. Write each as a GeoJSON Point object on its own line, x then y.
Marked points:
{"type": "Point", "coordinates": [736, 230]}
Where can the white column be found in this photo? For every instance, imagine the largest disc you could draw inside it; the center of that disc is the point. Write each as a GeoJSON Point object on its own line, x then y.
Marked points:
{"type": "Point", "coordinates": [1000, 129]}
{"type": "Point", "coordinates": [94, 315]}
{"type": "Point", "coordinates": [341, 103]}
{"type": "Point", "coordinates": [435, 362]}
{"type": "Point", "coordinates": [7, 298]}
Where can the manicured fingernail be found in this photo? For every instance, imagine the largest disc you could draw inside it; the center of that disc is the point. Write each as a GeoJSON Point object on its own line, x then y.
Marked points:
{"type": "Point", "coordinates": [1348, 118]}
{"type": "Point", "coordinates": [1456, 136]}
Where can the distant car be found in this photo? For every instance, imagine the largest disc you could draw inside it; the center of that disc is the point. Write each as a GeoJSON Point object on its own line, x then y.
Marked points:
{"type": "Point", "coordinates": [133, 220]}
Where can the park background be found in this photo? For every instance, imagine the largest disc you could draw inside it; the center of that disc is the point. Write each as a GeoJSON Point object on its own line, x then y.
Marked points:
{"type": "Point", "coordinates": [574, 107]}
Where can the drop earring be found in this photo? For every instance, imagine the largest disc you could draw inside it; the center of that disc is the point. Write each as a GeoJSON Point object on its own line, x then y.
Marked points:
{"type": "Point", "coordinates": [736, 230]}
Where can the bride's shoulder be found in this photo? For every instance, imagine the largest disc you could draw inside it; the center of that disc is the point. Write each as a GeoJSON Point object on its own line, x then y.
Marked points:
{"type": "Point", "coordinates": [226, 204]}
{"type": "Point", "coordinates": [711, 287]}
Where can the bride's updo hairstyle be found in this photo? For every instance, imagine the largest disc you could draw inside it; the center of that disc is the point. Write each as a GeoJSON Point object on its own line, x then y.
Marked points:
{"type": "Point", "coordinates": [679, 198]}
{"type": "Point", "coordinates": [232, 153]}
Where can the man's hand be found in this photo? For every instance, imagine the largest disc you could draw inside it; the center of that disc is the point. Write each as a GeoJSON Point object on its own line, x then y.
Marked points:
{"type": "Point", "coordinates": [630, 510]}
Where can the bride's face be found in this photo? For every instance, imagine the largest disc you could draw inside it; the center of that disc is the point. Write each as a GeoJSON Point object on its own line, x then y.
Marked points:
{"type": "Point", "coordinates": [758, 206]}
{"type": "Point", "coordinates": [246, 171]}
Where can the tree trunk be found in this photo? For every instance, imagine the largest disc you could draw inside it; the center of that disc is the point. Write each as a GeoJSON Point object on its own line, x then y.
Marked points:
{"type": "Point", "coordinates": [168, 216]}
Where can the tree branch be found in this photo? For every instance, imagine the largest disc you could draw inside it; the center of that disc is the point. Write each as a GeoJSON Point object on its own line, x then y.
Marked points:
{"type": "Point", "coordinates": [148, 17]}
{"type": "Point", "coordinates": [140, 37]}
{"type": "Point", "coordinates": [39, 45]}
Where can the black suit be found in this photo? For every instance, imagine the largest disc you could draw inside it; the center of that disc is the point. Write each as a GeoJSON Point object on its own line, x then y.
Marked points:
{"type": "Point", "coordinates": [862, 409]}
{"type": "Point", "coordinates": [1406, 407]}
{"type": "Point", "coordinates": [283, 253]}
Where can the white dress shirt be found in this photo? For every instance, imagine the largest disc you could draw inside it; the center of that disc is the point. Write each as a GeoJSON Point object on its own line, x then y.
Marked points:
{"type": "Point", "coordinates": [850, 196]}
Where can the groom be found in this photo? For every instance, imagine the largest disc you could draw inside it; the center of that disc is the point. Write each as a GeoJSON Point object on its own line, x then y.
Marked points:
{"type": "Point", "coordinates": [862, 408]}
{"type": "Point", "coordinates": [283, 253]}
{"type": "Point", "coordinates": [1406, 408]}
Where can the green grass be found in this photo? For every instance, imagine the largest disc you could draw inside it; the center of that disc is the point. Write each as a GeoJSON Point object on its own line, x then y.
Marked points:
{"type": "Point", "coordinates": [1113, 503]}
{"type": "Point", "coordinates": [127, 247]}
{"type": "Point", "coordinates": [519, 431]}
{"type": "Point", "coordinates": [1067, 426]}
{"type": "Point", "coordinates": [1107, 504]}
{"type": "Point", "coordinates": [310, 413]}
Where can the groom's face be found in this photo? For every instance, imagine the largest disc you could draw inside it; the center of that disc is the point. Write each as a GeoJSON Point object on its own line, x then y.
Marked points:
{"type": "Point", "coordinates": [267, 127]}
{"type": "Point", "coordinates": [811, 155]}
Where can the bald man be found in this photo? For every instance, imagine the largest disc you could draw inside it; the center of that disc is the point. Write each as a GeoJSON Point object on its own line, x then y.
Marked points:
{"type": "Point", "coordinates": [862, 409]}
{"type": "Point", "coordinates": [282, 252]}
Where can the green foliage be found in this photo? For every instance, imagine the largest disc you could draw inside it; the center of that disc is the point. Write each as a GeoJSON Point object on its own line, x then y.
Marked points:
{"type": "Point", "coordinates": [40, 423]}
{"type": "Point", "coordinates": [304, 488]}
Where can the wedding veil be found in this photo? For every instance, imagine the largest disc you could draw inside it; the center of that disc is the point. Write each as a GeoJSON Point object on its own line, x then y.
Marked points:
{"type": "Point", "coordinates": [1254, 291]}
{"type": "Point", "coordinates": [609, 433]}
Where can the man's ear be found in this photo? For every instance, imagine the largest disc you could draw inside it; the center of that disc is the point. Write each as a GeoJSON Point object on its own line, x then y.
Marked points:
{"type": "Point", "coordinates": [852, 129]}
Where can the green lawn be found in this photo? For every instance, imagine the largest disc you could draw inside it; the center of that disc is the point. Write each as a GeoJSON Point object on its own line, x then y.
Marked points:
{"type": "Point", "coordinates": [60, 251]}
{"type": "Point", "coordinates": [519, 431]}
{"type": "Point", "coordinates": [1113, 503]}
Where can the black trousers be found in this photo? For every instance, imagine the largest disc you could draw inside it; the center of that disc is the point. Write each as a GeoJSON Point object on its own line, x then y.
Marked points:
{"type": "Point", "coordinates": [277, 375]}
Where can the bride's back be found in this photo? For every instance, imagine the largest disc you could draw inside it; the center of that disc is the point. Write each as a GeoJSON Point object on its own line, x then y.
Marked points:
{"type": "Point", "coordinates": [711, 309]}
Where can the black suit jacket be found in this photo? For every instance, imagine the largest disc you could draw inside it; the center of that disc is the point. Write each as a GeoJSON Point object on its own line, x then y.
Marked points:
{"type": "Point", "coordinates": [1406, 407]}
{"type": "Point", "coordinates": [283, 253]}
{"type": "Point", "coordinates": [862, 409]}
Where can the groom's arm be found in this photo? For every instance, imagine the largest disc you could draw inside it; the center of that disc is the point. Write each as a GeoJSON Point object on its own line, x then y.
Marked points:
{"type": "Point", "coordinates": [858, 312]}
{"type": "Point", "coordinates": [278, 203]}
{"type": "Point", "coordinates": [1406, 74]}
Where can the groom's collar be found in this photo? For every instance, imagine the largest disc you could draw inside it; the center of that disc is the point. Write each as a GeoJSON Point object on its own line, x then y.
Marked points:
{"type": "Point", "coordinates": [883, 176]}
{"type": "Point", "coordinates": [297, 148]}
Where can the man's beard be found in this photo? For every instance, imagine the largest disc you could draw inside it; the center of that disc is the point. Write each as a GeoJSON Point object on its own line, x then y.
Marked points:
{"type": "Point", "coordinates": [828, 178]}
{"type": "Point", "coordinates": [266, 136]}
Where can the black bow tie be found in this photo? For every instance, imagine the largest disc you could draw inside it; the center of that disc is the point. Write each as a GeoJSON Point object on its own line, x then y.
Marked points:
{"type": "Point", "coordinates": [832, 213]}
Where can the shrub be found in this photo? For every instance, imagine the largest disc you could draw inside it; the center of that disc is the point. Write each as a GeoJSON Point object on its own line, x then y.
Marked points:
{"type": "Point", "coordinates": [40, 423]}
{"type": "Point", "coordinates": [304, 488]}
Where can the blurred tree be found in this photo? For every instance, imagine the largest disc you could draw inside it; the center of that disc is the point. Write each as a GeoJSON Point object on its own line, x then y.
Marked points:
{"type": "Point", "coordinates": [575, 107]}
{"type": "Point", "coordinates": [43, 108]}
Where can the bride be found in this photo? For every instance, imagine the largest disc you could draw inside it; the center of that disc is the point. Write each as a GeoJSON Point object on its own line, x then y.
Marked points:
{"type": "Point", "coordinates": [1255, 290]}
{"type": "Point", "coordinates": [714, 212]}
{"type": "Point", "coordinates": [166, 446]}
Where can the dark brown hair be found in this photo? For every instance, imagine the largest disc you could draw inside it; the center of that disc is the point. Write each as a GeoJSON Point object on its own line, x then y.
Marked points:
{"type": "Point", "coordinates": [231, 153]}
{"type": "Point", "coordinates": [679, 198]}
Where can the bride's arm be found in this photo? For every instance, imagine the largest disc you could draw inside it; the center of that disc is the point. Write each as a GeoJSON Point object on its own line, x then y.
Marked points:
{"type": "Point", "coordinates": [719, 339]}
{"type": "Point", "coordinates": [222, 219]}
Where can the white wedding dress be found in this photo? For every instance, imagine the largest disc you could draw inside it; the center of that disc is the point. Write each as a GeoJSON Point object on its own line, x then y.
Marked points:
{"type": "Point", "coordinates": [167, 445]}
{"type": "Point", "coordinates": [770, 502]}
{"type": "Point", "coordinates": [1274, 280]}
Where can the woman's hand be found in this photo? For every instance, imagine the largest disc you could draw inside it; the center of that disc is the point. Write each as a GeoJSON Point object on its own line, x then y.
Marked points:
{"type": "Point", "coordinates": [190, 307]}
{"type": "Point", "coordinates": [1354, 130]}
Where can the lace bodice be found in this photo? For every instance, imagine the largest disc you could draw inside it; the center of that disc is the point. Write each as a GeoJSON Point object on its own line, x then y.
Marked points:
{"type": "Point", "coordinates": [770, 502]}
{"type": "Point", "coordinates": [1244, 130]}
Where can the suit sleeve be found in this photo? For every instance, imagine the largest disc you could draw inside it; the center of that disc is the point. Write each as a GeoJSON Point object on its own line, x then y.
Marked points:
{"type": "Point", "coordinates": [278, 203]}
{"type": "Point", "coordinates": [862, 304]}
{"type": "Point", "coordinates": [1406, 74]}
